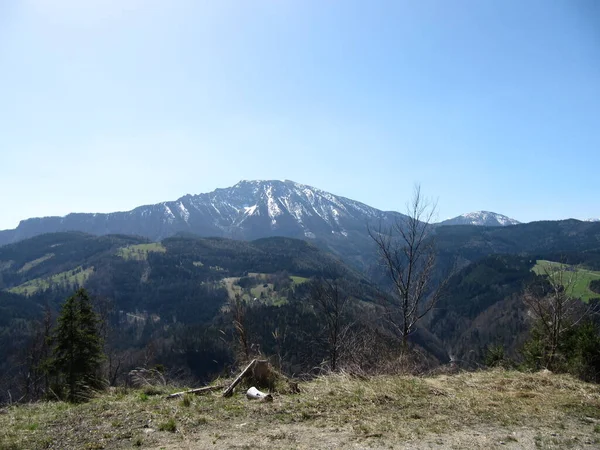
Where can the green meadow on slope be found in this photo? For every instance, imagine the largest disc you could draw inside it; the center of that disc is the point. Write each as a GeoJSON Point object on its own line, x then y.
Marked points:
{"type": "Point", "coordinates": [65, 280]}
{"type": "Point", "coordinates": [582, 277]}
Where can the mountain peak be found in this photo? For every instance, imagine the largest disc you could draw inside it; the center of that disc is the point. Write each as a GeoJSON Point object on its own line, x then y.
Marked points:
{"type": "Point", "coordinates": [481, 218]}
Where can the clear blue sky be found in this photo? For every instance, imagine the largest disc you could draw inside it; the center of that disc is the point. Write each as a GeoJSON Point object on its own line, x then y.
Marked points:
{"type": "Point", "coordinates": [109, 104]}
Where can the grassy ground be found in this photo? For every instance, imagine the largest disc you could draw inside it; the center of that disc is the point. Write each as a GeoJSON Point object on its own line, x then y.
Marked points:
{"type": "Point", "coordinates": [140, 251]}
{"type": "Point", "coordinates": [298, 280]}
{"type": "Point", "coordinates": [493, 409]}
{"type": "Point", "coordinates": [77, 276]}
{"type": "Point", "coordinates": [583, 279]}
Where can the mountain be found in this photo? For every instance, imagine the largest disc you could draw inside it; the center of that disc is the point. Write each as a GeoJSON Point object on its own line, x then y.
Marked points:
{"type": "Point", "coordinates": [248, 210]}
{"type": "Point", "coordinates": [481, 218]}
{"type": "Point", "coordinates": [592, 220]}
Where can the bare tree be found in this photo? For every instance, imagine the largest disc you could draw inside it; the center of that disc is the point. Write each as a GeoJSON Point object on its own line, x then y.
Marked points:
{"type": "Point", "coordinates": [331, 300]}
{"type": "Point", "coordinates": [407, 252]}
{"type": "Point", "coordinates": [556, 308]}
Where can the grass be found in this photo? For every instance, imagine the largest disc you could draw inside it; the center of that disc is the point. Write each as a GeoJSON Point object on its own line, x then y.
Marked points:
{"type": "Point", "coordinates": [581, 289]}
{"type": "Point", "coordinates": [31, 264]}
{"type": "Point", "coordinates": [298, 280]}
{"type": "Point", "coordinates": [77, 277]}
{"type": "Point", "coordinates": [335, 411]}
{"type": "Point", "coordinates": [139, 252]}
{"type": "Point", "coordinates": [169, 426]}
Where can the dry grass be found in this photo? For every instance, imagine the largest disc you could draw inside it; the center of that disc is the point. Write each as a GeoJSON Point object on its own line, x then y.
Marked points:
{"type": "Point", "coordinates": [468, 410]}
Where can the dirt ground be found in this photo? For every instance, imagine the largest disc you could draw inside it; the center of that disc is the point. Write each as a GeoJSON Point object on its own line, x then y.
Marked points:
{"type": "Point", "coordinates": [305, 438]}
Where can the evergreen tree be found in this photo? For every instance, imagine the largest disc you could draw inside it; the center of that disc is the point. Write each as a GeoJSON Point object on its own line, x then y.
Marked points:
{"type": "Point", "coordinates": [77, 351]}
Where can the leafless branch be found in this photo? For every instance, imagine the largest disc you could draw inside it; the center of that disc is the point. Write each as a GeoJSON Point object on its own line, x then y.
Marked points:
{"type": "Point", "coordinates": [408, 255]}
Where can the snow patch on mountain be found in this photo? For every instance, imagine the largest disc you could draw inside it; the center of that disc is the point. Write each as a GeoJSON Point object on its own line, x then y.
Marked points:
{"type": "Point", "coordinates": [185, 214]}
{"type": "Point", "coordinates": [169, 214]}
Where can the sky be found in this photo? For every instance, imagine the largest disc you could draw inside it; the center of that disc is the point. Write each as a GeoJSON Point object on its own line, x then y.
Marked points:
{"type": "Point", "coordinates": [106, 105]}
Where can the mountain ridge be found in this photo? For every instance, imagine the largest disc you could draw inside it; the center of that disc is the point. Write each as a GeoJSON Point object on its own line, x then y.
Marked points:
{"type": "Point", "coordinates": [481, 218]}
{"type": "Point", "coordinates": [246, 211]}
{"type": "Point", "coordinates": [250, 209]}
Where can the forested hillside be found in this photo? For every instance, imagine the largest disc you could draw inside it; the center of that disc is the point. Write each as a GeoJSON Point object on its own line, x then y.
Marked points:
{"type": "Point", "coordinates": [575, 241]}
{"type": "Point", "coordinates": [167, 302]}
{"type": "Point", "coordinates": [175, 302]}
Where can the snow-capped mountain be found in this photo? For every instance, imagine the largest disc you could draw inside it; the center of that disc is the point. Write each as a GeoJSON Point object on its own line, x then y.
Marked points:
{"type": "Point", "coordinates": [263, 208]}
{"type": "Point", "coordinates": [592, 220]}
{"type": "Point", "coordinates": [248, 210]}
{"type": "Point", "coordinates": [481, 218]}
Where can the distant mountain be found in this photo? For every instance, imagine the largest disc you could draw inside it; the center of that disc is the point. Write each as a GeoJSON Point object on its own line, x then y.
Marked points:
{"type": "Point", "coordinates": [592, 220]}
{"type": "Point", "coordinates": [248, 210]}
{"type": "Point", "coordinates": [481, 218]}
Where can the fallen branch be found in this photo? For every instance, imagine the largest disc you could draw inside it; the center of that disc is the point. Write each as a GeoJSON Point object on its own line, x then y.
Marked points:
{"type": "Point", "coordinates": [229, 391]}
{"type": "Point", "coordinates": [196, 391]}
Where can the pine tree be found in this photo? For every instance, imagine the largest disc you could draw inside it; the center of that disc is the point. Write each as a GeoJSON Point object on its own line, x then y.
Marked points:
{"type": "Point", "coordinates": [77, 353]}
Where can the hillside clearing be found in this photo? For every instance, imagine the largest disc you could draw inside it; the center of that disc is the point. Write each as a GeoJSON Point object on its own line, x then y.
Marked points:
{"type": "Point", "coordinates": [492, 409]}
{"type": "Point", "coordinates": [583, 279]}
{"type": "Point", "coordinates": [139, 252]}
{"type": "Point", "coordinates": [298, 280]}
{"type": "Point", "coordinates": [75, 277]}
{"type": "Point", "coordinates": [264, 290]}
{"type": "Point", "coordinates": [31, 264]}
